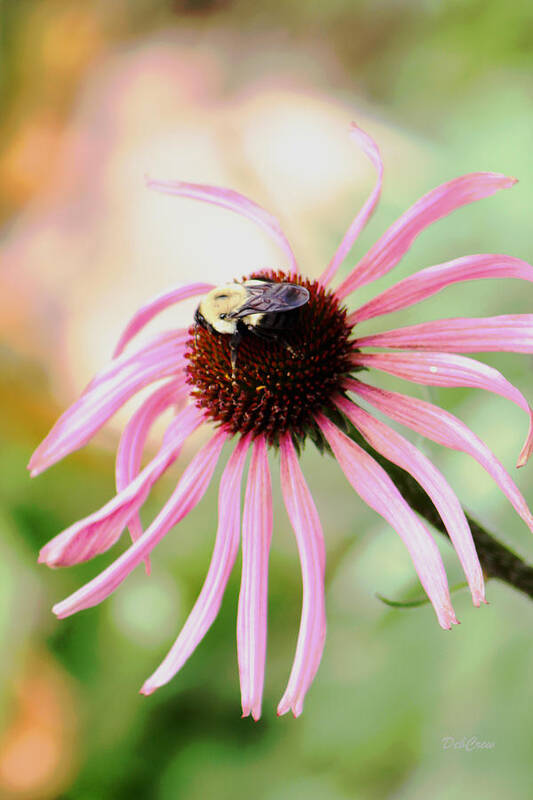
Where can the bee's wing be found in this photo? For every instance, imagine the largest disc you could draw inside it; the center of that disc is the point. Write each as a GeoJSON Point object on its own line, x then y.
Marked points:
{"type": "Point", "coordinates": [270, 298]}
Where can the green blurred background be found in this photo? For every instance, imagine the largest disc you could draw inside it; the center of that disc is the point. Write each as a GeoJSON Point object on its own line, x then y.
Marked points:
{"type": "Point", "coordinates": [257, 96]}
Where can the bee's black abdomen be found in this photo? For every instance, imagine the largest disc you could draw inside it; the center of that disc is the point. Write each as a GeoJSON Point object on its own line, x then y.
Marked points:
{"type": "Point", "coordinates": [280, 321]}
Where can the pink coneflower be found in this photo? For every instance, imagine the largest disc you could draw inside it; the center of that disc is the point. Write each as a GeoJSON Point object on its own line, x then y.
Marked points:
{"type": "Point", "coordinates": [280, 394]}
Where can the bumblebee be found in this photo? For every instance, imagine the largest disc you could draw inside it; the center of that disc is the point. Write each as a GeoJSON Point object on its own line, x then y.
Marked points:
{"type": "Point", "coordinates": [258, 307]}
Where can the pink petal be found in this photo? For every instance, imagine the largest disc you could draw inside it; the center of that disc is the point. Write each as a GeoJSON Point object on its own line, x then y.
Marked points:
{"type": "Point", "coordinates": [98, 532]}
{"type": "Point", "coordinates": [233, 201]}
{"type": "Point", "coordinates": [225, 551]}
{"type": "Point", "coordinates": [308, 530]}
{"type": "Point", "coordinates": [187, 494]}
{"type": "Point", "coordinates": [105, 395]}
{"type": "Point", "coordinates": [429, 281]}
{"type": "Point", "coordinates": [252, 613]}
{"type": "Point", "coordinates": [127, 361]}
{"type": "Point", "coordinates": [133, 439]}
{"type": "Point", "coordinates": [397, 240]}
{"type": "Point", "coordinates": [147, 312]}
{"type": "Point", "coordinates": [401, 452]}
{"type": "Point", "coordinates": [508, 333]}
{"type": "Point", "coordinates": [441, 369]}
{"type": "Point", "coordinates": [445, 429]}
{"type": "Point", "coordinates": [371, 150]}
{"type": "Point", "coordinates": [375, 487]}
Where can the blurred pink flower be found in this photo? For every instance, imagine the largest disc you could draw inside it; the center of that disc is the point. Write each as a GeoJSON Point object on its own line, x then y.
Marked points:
{"type": "Point", "coordinates": [279, 397]}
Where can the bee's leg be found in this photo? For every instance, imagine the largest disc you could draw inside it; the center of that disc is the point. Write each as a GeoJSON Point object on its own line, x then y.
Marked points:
{"type": "Point", "coordinates": [233, 347]}
{"type": "Point", "coordinates": [291, 350]}
{"type": "Point", "coordinates": [274, 335]}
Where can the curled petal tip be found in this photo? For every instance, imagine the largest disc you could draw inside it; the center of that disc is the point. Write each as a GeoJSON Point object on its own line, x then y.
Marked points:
{"type": "Point", "coordinates": [283, 707]}
{"type": "Point", "coordinates": [448, 619]}
{"type": "Point", "coordinates": [146, 690]}
{"type": "Point", "coordinates": [253, 711]}
{"type": "Point", "coordinates": [34, 467]}
{"type": "Point", "coordinates": [507, 180]}
{"type": "Point", "coordinates": [451, 616]}
{"type": "Point", "coordinates": [527, 449]}
{"type": "Point", "coordinates": [477, 590]}
{"type": "Point", "coordinates": [58, 611]}
{"type": "Point", "coordinates": [355, 129]}
{"type": "Point", "coordinates": [50, 559]}
{"type": "Point", "coordinates": [290, 704]}
{"type": "Point", "coordinates": [40, 460]}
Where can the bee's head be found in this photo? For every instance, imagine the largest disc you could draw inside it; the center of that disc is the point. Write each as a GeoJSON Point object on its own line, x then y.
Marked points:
{"type": "Point", "coordinates": [217, 306]}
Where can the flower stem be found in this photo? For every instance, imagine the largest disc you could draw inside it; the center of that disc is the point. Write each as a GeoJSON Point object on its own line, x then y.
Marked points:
{"type": "Point", "coordinates": [497, 560]}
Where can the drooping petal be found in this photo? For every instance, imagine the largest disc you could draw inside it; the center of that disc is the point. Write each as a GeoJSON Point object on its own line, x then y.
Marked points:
{"type": "Point", "coordinates": [105, 395]}
{"type": "Point", "coordinates": [403, 453]}
{"type": "Point", "coordinates": [309, 538]}
{"type": "Point", "coordinates": [99, 531]}
{"type": "Point", "coordinates": [397, 240]}
{"type": "Point", "coordinates": [252, 613]}
{"type": "Point", "coordinates": [224, 553]}
{"type": "Point", "coordinates": [133, 440]}
{"type": "Point", "coordinates": [233, 201]}
{"type": "Point", "coordinates": [147, 312]}
{"type": "Point", "coordinates": [370, 148]}
{"type": "Point", "coordinates": [375, 487]}
{"type": "Point", "coordinates": [429, 281]}
{"type": "Point", "coordinates": [442, 369]}
{"type": "Point", "coordinates": [511, 333]}
{"type": "Point", "coordinates": [187, 494]}
{"type": "Point", "coordinates": [442, 427]}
